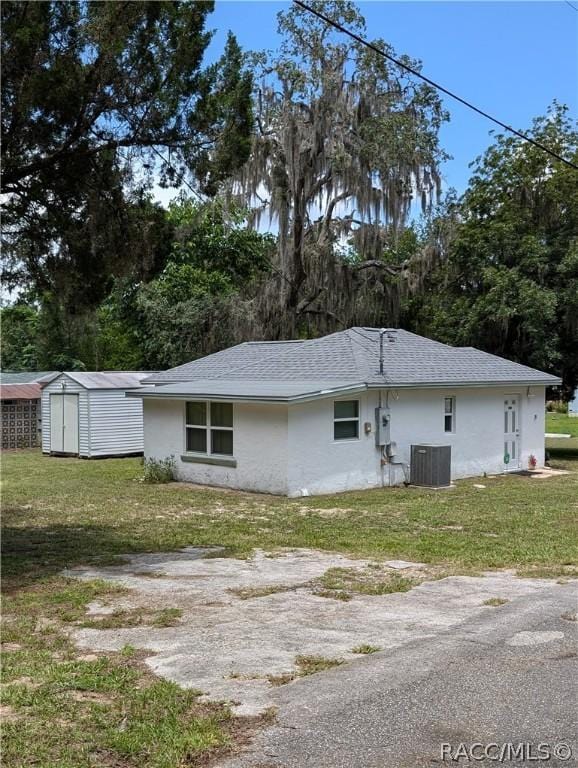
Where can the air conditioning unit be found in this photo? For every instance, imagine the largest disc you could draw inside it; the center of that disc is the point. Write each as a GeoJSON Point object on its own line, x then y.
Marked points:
{"type": "Point", "coordinates": [431, 465]}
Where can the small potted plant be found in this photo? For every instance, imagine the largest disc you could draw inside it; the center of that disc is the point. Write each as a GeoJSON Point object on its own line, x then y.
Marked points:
{"type": "Point", "coordinates": [532, 462]}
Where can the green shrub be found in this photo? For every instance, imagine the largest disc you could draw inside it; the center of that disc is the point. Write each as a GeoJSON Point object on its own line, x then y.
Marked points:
{"type": "Point", "coordinates": [159, 470]}
{"type": "Point", "coordinates": [556, 406]}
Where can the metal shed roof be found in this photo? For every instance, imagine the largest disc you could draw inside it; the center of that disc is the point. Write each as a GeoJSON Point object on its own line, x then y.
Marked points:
{"type": "Point", "coordinates": [27, 377]}
{"type": "Point", "coordinates": [30, 391]}
{"type": "Point", "coordinates": [108, 379]}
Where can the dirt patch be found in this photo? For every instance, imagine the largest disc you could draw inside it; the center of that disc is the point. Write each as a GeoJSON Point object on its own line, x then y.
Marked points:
{"type": "Point", "coordinates": [93, 697]}
{"type": "Point", "coordinates": [27, 682]}
{"type": "Point", "coordinates": [325, 511]}
{"type": "Point", "coordinates": [10, 647]}
{"type": "Point", "coordinates": [8, 715]}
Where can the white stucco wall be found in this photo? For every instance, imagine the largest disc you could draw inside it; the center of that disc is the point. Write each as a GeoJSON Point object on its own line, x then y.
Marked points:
{"type": "Point", "coordinates": [320, 464]}
{"type": "Point", "coordinates": [291, 450]}
{"type": "Point", "coordinates": [259, 445]}
{"type": "Point", "coordinates": [478, 441]}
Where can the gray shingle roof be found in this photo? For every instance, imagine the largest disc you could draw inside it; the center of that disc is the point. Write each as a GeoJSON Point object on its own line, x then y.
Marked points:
{"type": "Point", "coordinates": [353, 356]}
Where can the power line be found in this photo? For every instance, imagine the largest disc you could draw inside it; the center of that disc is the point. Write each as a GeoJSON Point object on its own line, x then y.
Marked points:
{"type": "Point", "coordinates": [178, 174]}
{"type": "Point", "coordinates": [574, 8]}
{"type": "Point", "coordinates": [439, 87]}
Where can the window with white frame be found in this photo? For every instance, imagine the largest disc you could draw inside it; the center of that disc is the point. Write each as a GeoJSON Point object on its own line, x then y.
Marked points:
{"type": "Point", "coordinates": [449, 414]}
{"type": "Point", "coordinates": [346, 419]}
{"type": "Point", "coordinates": [209, 428]}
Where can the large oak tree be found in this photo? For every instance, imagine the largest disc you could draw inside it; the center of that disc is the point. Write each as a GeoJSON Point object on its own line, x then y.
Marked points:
{"type": "Point", "coordinates": [345, 144]}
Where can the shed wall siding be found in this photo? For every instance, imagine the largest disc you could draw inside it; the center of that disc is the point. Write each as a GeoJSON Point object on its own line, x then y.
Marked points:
{"type": "Point", "coordinates": [259, 445]}
{"type": "Point", "coordinates": [55, 387]}
{"type": "Point", "coordinates": [116, 423]}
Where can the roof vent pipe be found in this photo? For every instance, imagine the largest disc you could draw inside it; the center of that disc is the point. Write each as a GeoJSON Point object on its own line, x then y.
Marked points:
{"type": "Point", "coordinates": [381, 335]}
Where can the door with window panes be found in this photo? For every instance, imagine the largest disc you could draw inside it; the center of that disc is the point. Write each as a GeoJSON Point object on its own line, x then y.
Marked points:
{"type": "Point", "coordinates": [511, 432]}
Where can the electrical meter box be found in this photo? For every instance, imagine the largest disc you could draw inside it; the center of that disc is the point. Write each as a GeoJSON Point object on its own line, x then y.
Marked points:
{"type": "Point", "coordinates": [382, 422]}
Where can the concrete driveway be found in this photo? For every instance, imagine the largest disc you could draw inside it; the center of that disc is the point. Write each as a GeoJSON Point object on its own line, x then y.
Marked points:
{"type": "Point", "coordinates": [448, 664]}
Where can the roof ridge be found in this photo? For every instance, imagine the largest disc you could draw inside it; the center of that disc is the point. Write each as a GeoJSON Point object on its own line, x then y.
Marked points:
{"type": "Point", "coordinates": [358, 347]}
{"type": "Point", "coordinates": [275, 341]}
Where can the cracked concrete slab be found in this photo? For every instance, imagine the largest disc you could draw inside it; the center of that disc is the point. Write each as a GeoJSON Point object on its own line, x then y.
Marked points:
{"type": "Point", "coordinates": [227, 646]}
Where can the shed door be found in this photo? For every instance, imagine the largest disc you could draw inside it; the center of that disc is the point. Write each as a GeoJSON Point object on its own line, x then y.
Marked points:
{"type": "Point", "coordinates": [64, 423]}
{"type": "Point", "coordinates": [511, 433]}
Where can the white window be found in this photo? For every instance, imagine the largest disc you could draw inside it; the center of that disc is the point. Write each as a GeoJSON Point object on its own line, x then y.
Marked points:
{"type": "Point", "coordinates": [209, 428]}
{"type": "Point", "coordinates": [449, 414]}
{"type": "Point", "coordinates": [346, 419]}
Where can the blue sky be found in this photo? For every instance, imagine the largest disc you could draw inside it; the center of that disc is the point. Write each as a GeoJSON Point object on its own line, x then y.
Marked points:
{"type": "Point", "coordinates": [511, 59]}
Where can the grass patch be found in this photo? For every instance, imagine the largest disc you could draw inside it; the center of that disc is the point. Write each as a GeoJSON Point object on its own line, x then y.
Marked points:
{"type": "Point", "coordinates": [167, 617]}
{"type": "Point", "coordinates": [562, 449]}
{"type": "Point", "coordinates": [61, 512]}
{"type": "Point", "coordinates": [562, 423]}
{"type": "Point", "coordinates": [108, 710]}
{"type": "Point", "coordinates": [248, 593]}
{"type": "Point", "coordinates": [548, 572]}
{"type": "Point", "coordinates": [283, 679]}
{"type": "Point", "coordinates": [366, 581]}
{"type": "Point", "coordinates": [366, 649]}
{"type": "Point", "coordinates": [495, 601]}
{"type": "Point", "coordinates": [333, 594]}
{"type": "Point", "coordinates": [306, 665]}
{"type": "Point", "coordinates": [241, 676]}
{"type": "Point", "coordinates": [310, 665]}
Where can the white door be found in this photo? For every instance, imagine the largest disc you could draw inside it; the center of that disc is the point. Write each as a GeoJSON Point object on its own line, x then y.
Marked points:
{"type": "Point", "coordinates": [512, 432]}
{"type": "Point", "coordinates": [64, 423]}
{"type": "Point", "coordinates": [56, 423]}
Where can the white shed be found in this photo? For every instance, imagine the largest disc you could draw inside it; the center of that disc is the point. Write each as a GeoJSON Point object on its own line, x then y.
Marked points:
{"type": "Point", "coordinates": [88, 415]}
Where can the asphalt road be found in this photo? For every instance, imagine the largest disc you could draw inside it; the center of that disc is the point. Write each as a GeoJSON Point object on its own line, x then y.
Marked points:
{"type": "Point", "coordinates": [507, 677]}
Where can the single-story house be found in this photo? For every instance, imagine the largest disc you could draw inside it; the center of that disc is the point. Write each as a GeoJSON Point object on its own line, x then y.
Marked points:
{"type": "Point", "coordinates": [342, 412]}
{"type": "Point", "coordinates": [20, 417]}
{"type": "Point", "coordinates": [86, 414]}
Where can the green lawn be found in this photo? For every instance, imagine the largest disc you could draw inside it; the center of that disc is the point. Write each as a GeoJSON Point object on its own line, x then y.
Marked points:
{"type": "Point", "coordinates": [66, 711]}
{"type": "Point", "coordinates": [563, 424]}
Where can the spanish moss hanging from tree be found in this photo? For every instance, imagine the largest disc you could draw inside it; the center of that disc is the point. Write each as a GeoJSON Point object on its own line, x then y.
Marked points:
{"type": "Point", "coordinates": [345, 145]}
